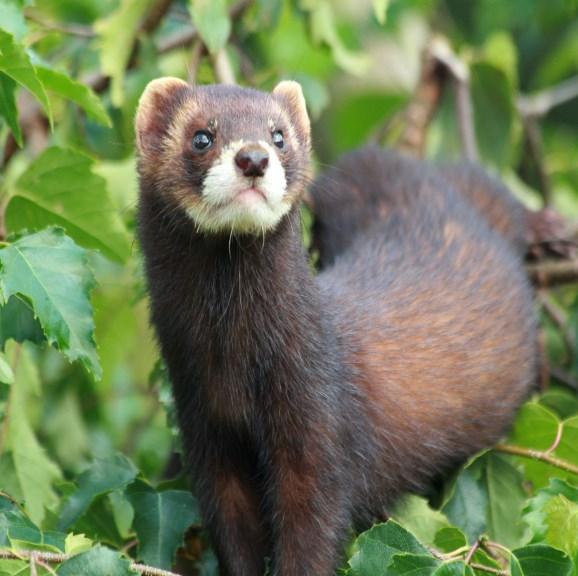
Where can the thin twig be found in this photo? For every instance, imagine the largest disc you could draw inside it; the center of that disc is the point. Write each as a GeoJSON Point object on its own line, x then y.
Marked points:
{"type": "Point", "coordinates": [57, 558]}
{"type": "Point", "coordinates": [535, 148]}
{"type": "Point", "coordinates": [222, 66]}
{"type": "Point", "coordinates": [70, 29]}
{"type": "Point", "coordinates": [425, 101]}
{"type": "Point", "coordinates": [464, 111]}
{"type": "Point", "coordinates": [539, 104]}
{"type": "Point", "coordinates": [197, 52]}
{"type": "Point", "coordinates": [471, 552]}
{"type": "Point", "coordinates": [490, 570]}
{"type": "Point", "coordinates": [547, 274]}
{"type": "Point", "coordinates": [537, 455]}
{"type": "Point", "coordinates": [556, 442]}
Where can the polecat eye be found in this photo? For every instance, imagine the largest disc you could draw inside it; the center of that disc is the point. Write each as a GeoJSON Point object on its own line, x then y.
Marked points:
{"type": "Point", "coordinates": [202, 140]}
{"type": "Point", "coordinates": [278, 139]}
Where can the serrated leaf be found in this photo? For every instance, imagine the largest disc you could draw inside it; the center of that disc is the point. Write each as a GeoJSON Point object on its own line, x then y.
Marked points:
{"type": "Point", "coordinates": [415, 514]}
{"type": "Point", "coordinates": [17, 531]}
{"type": "Point", "coordinates": [552, 516]}
{"type": "Point", "coordinates": [8, 108]}
{"type": "Point", "coordinates": [98, 561]}
{"type": "Point", "coordinates": [374, 549]}
{"type": "Point", "coordinates": [14, 62]}
{"type": "Point", "coordinates": [62, 85]}
{"type": "Point", "coordinates": [540, 560]}
{"type": "Point", "coordinates": [77, 543]}
{"type": "Point", "coordinates": [161, 520]}
{"type": "Point", "coordinates": [60, 188]}
{"type": "Point", "coordinates": [117, 35]}
{"type": "Point", "coordinates": [51, 270]}
{"type": "Point", "coordinates": [212, 21]}
{"type": "Point", "coordinates": [380, 10]}
{"type": "Point", "coordinates": [17, 322]}
{"type": "Point", "coordinates": [103, 475]}
{"type": "Point", "coordinates": [35, 472]}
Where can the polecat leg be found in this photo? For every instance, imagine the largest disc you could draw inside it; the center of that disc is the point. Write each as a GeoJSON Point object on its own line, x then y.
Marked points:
{"type": "Point", "coordinates": [311, 513]}
{"type": "Point", "coordinates": [232, 514]}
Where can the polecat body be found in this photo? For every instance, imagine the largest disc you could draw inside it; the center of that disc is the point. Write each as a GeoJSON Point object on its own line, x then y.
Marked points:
{"type": "Point", "coordinates": [308, 404]}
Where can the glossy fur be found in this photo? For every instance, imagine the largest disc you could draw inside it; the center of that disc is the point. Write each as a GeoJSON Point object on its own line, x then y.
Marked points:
{"type": "Point", "coordinates": [309, 404]}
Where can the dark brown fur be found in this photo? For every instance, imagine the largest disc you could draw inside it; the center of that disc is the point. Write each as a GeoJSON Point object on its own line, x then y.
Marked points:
{"type": "Point", "coordinates": [308, 404]}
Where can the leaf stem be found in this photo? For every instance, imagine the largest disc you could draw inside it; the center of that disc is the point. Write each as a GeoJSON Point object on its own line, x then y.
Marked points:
{"type": "Point", "coordinates": [537, 455]}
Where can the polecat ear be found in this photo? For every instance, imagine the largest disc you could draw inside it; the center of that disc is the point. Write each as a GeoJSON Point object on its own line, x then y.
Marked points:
{"type": "Point", "coordinates": [154, 111]}
{"type": "Point", "coordinates": [291, 95]}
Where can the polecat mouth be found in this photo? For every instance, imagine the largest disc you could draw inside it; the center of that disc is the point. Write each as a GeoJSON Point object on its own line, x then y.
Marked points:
{"type": "Point", "coordinates": [250, 195]}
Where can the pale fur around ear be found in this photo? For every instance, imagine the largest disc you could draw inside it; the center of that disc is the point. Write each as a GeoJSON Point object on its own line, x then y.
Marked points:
{"type": "Point", "coordinates": [290, 93]}
{"type": "Point", "coordinates": [154, 111]}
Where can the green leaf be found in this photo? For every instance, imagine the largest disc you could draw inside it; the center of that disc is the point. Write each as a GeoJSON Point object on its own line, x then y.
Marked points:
{"type": "Point", "coordinates": [60, 188]}
{"type": "Point", "coordinates": [17, 531]}
{"type": "Point", "coordinates": [14, 62]}
{"type": "Point", "coordinates": [8, 109]}
{"type": "Point", "coordinates": [77, 543]}
{"type": "Point", "coordinates": [117, 35]}
{"type": "Point", "coordinates": [562, 521]}
{"type": "Point", "coordinates": [6, 373]}
{"type": "Point", "coordinates": [62, 85]}
{"type": "Point", "coordinates": [12, 18]}
{"type": "Point", "coordinates": [493, 112]}
{"type": "Point", "coordinates": [324, 31]}
{"type": "Point", "coordinates": [540, 560]}
{"type": "Point", "coordinates": [98, 561]}
{"type": "Point", "coordinates": [35, 472]}
{"type": "Point", "coordinates": [104, 475]}
{"type": "Point", "coordinates": [456, 568]}
{"type": "Point", "coordinates": [412, 564]}
{"type": "Point", "coordinates": [161, 520]}
{"type": "Point", "coordinates": [50, 270]}
{"type": "Point", "coordinates": [17, 322]}
{"type": "Point", "coordinates": [212, 21]}
{"type": "Point", "coordinates": [380, 9]}
{"type": "Point", "coordinates": [506, 499]}
{"type": "Point", "coordinates": [374, 549]}
{"type": "Point", "coordinates": [552, 516]}
{"type": "Point", "coordinates": [536, 427]}
{"type": "Point", "coordinates": [415, 514]}
{"type": "Point", "coordinates": [466, 507]}
{"type": "Point", "coordinates": [449, 539]}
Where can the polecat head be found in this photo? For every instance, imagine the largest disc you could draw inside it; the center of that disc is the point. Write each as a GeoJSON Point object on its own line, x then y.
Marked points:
{"type": "Point", "coordinates": [234, 159]}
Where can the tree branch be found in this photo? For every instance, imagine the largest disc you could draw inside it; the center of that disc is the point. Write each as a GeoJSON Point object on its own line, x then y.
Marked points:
{"type": "Point", "coordinates": [537, 455]}
{"type": "Point", "coordinates": [425, 101]}
{"type": "Point", "coordinates": [56, 558]}
{"type": "Point", "coordinates": [438, 64]}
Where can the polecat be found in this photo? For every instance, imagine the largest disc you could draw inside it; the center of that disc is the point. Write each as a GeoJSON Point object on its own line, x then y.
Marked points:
{"type": "Point", "coordinates": [309, 404]}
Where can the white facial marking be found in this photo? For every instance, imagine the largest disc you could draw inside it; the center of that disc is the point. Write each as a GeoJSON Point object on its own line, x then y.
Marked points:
{"type": "Point", "coordinates": [221, 211]}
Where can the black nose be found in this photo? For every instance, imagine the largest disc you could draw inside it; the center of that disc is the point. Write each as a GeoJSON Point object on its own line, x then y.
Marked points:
{"type": "Point", "coordinates": [252, 160]}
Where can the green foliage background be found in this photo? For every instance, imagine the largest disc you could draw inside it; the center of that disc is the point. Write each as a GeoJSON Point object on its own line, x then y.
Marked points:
{"type": "Point", "coordinates": [85, 411]}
